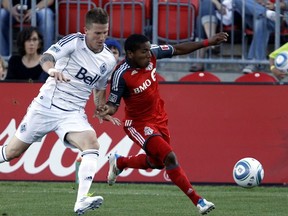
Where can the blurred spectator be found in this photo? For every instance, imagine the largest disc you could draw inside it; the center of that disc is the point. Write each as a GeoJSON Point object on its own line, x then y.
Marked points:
{"type": "Point", "coordinates": [278, 73]}
{"type": "Point", "coordinates": [44, 20]}
{"type": "Point", "coordinates": [261, 20]}
{"type": "Point", "coordinates": [115, 47]}
{"type": "Point", "coordinates": [26, 65]}
{"type": "Point", "coordinates": [211, 13]}
{"type": "Point", "coordinates": [3, 69]}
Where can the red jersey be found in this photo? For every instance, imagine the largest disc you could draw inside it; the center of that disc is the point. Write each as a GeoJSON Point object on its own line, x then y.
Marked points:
{"type": "Point", "coordinates": [139, 88]}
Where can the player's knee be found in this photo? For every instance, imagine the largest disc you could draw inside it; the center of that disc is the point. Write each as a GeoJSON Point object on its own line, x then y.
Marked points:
{"type": "Point", "coordinates": [95, 144]}
{"type": "Point", "coordinates": [83, 140]}
{"type": "Point", "coordinates": [12, 153]}
{"type": "Point", "coordinates": [91, 141]}
{"type": "Point", "coordinates": [171, 160]}
{"type": "Point", "coordinates": [155, 164]}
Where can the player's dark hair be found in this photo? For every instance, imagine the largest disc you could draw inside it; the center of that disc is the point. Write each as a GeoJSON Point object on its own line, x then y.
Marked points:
{"type": "Point", "coordinates": [96, 15]}
{"type": "Point", "coordinates": [24, 36]}
{"type": "Point", "coordinates": [134, 41]}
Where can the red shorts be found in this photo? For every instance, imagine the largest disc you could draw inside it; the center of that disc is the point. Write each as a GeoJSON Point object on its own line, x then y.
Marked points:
{"type": "Point", "coordinates": [142, 134]}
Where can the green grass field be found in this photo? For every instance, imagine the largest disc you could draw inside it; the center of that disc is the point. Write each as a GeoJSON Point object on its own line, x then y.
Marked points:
{"type": "Point", "coordinates": [57, 199]}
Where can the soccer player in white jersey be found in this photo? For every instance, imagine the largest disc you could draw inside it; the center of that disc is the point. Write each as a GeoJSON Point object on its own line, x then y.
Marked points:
{"type": "Point", "coordinates": [77, 64]}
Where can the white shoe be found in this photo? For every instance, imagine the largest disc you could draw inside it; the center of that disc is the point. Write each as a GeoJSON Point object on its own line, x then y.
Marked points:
{"type": "Point", "coordinates": [205, 206]}
{"type": "Point", "coordinates": [87, 203]}
{"type": "Point", "coordinates": [113, 170]}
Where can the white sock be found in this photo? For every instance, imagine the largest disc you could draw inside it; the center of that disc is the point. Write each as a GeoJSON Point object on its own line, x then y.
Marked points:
{"type": "Point", "coordinates": [87, 170]}
{"type": "Point", "coordinates": [2, 154]}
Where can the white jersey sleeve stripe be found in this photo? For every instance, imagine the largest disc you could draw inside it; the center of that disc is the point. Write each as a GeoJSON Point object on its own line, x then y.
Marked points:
{"type": "Point", "coordinates": [117, 75]}
{"type": "Point", "coordinates": [69, 38]}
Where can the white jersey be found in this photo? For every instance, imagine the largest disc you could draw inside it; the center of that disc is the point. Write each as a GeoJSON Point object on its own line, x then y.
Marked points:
{"type": "Point", "coordinates": [85, 69]}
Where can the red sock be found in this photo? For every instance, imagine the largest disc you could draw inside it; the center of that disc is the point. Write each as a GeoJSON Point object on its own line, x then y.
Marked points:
{"type": "Point", "coordinates": [135, 161]}
{"type": "Point", "coordinates": [179, 178]}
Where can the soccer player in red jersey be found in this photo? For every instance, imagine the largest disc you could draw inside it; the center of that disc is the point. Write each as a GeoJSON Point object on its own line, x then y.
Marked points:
{"type": "Point", "coordinates": [135, 80]}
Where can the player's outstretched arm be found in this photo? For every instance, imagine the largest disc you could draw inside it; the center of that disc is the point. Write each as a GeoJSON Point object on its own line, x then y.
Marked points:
{"type": "Point", "coordinates": [188, 47]}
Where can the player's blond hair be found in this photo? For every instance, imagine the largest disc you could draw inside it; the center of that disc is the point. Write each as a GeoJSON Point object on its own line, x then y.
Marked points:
{"type": "Point", "coordinates": [96, 15]}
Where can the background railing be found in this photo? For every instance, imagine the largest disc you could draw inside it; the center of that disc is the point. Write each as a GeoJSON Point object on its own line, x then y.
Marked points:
{"type": "Point", "coordinates": [163, 21]}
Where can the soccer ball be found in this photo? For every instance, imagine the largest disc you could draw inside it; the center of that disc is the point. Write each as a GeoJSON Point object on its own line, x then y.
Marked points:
{"type": "Point", "coordinates": [248, 172]}
{"type": "Point", "coordinates": [281, 61]}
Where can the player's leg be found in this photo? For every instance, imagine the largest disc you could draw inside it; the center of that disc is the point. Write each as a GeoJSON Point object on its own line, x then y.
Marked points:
{"type": "Point", "coordinates": [134, 161]}
{"type": "Point", "coordinates": [31, 129]}
{"type": "Point", "coordinates": [159, 150]}
{"type": "Point", "coordinates": [14, 149]}
{"type": "Point", "coordinates": [117, 163]}
{"type": "Point", "coordinates": [139, 133]}
{"type": "Point", "coordinates": [87, 142]}
{"type": "Point", "coordinates": [162, 151]}
{"type": "Point", "coordinates": [160, 155]}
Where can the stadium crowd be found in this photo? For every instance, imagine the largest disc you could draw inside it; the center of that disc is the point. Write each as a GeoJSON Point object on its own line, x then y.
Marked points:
{"type": "Point", "coordinates": [258, 19]}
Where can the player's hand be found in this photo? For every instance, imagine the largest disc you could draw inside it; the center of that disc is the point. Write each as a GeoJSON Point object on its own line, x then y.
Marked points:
{"type": "Point", "coordinates": [102, 114]}
{"type": "Point", "coordinates": [102, 110]}
{"type": "Point", "coordinates": [58, 76]}
{"type": "Point", "coordinates": [107, 117]}
{"type": "Point", "coordinates": [113, 120]}
{"type": "Point", "coordinates": [218, 38]}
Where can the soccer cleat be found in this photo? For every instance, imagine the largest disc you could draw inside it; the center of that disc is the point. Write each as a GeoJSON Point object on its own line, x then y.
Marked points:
{"type": "Point", "coordinates": [87, 203]}
{"type": "Point", "coordinates": [113, 170]}
{"type": "Point", "coordinates": [205, 206]}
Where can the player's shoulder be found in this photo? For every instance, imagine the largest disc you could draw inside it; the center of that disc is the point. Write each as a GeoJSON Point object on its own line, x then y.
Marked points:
{"type": "Point", "coordinates": [68, 39]}
{"type": "Point", "coordinates": [106, 49]}
{"type": "Point", "coordinates": [122, 68]}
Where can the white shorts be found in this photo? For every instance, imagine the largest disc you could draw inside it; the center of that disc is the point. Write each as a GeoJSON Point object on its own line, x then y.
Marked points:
{"type": "Point", "coordinates": [40, 120]}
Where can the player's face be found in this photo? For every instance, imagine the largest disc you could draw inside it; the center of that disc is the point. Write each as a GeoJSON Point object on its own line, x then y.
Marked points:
{"type": "Point", "coordinates": [96, 35]}
{"type": "Point", "coordinates": [142, 57]}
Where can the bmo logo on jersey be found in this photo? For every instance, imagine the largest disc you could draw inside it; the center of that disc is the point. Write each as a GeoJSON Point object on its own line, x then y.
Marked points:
{"type": "Point", "coordinates": [146, 83]}
{"type": "Point", "coordinates": [82, 75]}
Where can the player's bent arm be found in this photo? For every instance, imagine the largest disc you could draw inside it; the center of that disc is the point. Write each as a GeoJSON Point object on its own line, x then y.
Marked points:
{"type": "Point", "coordinates": [188, 47]}
{"type": "Point", "coordinates": [47, 63]}
{"type": "Point", "coordinates": [99, 97]}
